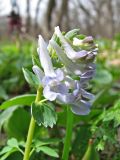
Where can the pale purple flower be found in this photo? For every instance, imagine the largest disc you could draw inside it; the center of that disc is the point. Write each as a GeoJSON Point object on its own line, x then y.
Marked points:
{"type": "Point", "coordinates": [53, 87]}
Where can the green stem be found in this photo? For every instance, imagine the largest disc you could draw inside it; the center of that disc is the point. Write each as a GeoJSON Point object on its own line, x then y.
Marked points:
{"type": "Point", "coordinates": [88, 153]}
{"type": "Point", "coordinates": [69, 126]}
{"type": "Point", "coordinates": [29, 139]}
{"type": "Point", "coordinates": [31, 129]}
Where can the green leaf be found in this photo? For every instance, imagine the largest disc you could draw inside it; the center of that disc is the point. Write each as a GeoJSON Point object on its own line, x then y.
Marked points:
{"type": "Point", "coordinates": [3, 93]}
{"type": "Point", "coordinates": [12, 146]}
{"type": "Point", "coordinates": [117, 104]}
{"type": "Point", "coordinates": [5, 115]}
{"type": "Point", "coordinates": [12, 143]}
{"type": "Point", "coordinates": [44, 113]}
{"type": "Point", "coordinates": [16, 155]}
{"type": "Point", "coordinates": [17, 125]}
{"type": "Point", "coordinates": [99, 96]}
{"type": "Point", "coordinates": [103, 77]}
{"type": "Point", "coordinates": [30, 77]}
{"type": "Point", "coordinates": [105, 95]}
{"type": "Point", "coordinates": [101, 145]}
{"type": "Point", "coordinates": [71, 34]}
{"type": "Point", "coordinates": [91, 153]}
{"type": "Point", "coordinates": [19, 100]}
{"type": "Point", "coordinates": [49, 151]}
{"type": "Point", "coordinates": [82, 135]}
{"type": "Point", "coordinates": [81, 36]}
{"type": "Point", "coordinates": [7, 154]}
{"type": "Point", "coordinates": [38, 143]}
{"type": "Point", "coordinates": [35, 60]}
{"type": "Point", "coordinates": [113, 114]}
{"type": "Point", "coordinates": [5, 150]}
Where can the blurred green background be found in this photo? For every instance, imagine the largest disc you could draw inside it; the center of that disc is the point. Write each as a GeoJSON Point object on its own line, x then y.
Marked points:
{"type": "Point", "coordinates": [20, 24]}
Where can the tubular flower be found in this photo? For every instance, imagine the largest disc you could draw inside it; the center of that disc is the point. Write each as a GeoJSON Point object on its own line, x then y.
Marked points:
{"type": "Point", "coordinates": [59, 84]}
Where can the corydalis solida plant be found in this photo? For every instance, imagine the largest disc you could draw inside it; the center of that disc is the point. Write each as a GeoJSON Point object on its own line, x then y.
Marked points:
{"type": "Point", "coordinates": [66, 84]}
{"type": "Point", "coordinates": [58, 83]}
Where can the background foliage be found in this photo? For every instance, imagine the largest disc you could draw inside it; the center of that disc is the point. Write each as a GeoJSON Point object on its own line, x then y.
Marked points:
{"type": "Point", "coordinates": [102, 124]}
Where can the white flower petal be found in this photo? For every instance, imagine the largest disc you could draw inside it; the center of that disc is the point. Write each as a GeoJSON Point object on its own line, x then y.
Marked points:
{"type": "Point", "coordinates": [45, 58]}
{"type": "Point", "coordinates": [59, 74]}
{"type": "Point", "coordinates": [48, 94]}
{"type": "Point", "coordinates": [70, 66]}
{"type": "Point", "coordinates": [38, 72]}
{"type": "Point", "coordinates": [77, 42]}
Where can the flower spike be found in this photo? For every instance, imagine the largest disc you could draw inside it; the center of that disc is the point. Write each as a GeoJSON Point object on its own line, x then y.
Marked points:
{"type": "Point", "coordinates": [67, 85]}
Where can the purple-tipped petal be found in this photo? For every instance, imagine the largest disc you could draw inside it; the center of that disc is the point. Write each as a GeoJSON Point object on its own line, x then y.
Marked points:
{"type": "Point", "coordinates": [65, 98]}
{"type": "Point", "coordinates": [88, 39]}
{"type": "Point", "coordinates": [61, 88]}
{"type": "Point", "coordinates": [81, 54]}
{"type": "Point", "coordinates": [90, 57]}
{"type": "Point", "coordinates": [87, 95]}
{"type": "Point", "coordinates": [88, 74]}
{"type": "Point", "coordinates": [91, 66]}
{"type": "Point", "coordinates": [71, 54]}
{"type": "Point", "coordinates": [38, 72]}
{"type": "Point", "coordinates": [81, 108]}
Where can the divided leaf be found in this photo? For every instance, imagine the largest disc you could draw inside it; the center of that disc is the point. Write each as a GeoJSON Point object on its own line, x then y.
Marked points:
{"type": "Point", "coordinates": [12, 146]}
{"type": "Point", "coordinates": [113, 114]}
{"type": "Point", "coordinates": [44, 114]}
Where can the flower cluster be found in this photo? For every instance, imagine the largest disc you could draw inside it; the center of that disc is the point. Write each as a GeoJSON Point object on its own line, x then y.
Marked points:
{"type": "Point", "coordinates": [67, 84]}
